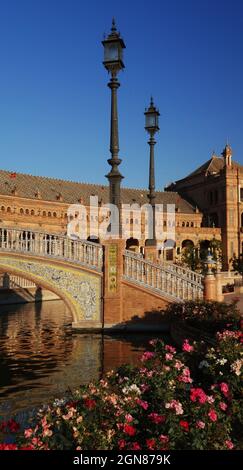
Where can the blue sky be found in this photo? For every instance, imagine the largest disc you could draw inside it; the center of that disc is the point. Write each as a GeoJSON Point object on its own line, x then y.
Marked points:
{"type": "Point", "coordinates": [55, 103]}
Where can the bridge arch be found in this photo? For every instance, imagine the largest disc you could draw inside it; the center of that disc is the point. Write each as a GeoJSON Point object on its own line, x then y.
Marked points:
{"type": "Point", "coordinates": [80, 289]}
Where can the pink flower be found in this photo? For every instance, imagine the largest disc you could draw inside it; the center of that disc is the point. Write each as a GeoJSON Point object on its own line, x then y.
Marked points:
{"type": "Point", "coordinates": [128, 418]}
{"type": "Point", "coordinates": [175, 405]}
{"type": "Point", "coordinates": [170, 349]}
{"type": "Point", "coordinates": [28, 433]}
{"type": "Point", "coordinates": [229, 444]}
{"type": "Point", "coordinates": [168, 356]}
{"type": "Point", "coordinates": [223, 406]}
{"type": "Point", "coordinates": [212, 415]}
{"type": "Point", "coordinates": [200, 424]}
{"type": "Point", "coordinates": [210, 399]}
{"type": "Point", "coordinates": [156, 418]}
{"type": "Point", "coordinates": [185, 376]}
{"type": "Point", "coordinates": [130, 430]}
{"type": "Point", "coordinates": [178, 365]}
{"type": "Point", "coordinates": [187, 347]}
{"type": "Point", "coordinates": [143, 404]}
{"type": "Point", "coordinates": [164, 439]}
{"type": "Point", "coordinates": [224, 389]}
{"type": "Point", "coordinates": [147, 355]}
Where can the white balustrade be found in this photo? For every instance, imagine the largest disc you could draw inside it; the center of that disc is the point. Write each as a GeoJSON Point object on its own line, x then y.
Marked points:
{"type": "Point", "coordinates": [179, 283]}
{"type": "Point", "coordinates": [52, 245]}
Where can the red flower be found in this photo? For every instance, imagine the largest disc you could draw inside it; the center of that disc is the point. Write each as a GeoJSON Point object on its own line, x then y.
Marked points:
{"type": "Point", "coordinates": [121, 444]}
{"type": "Point", "coordinates": [90, 404]}
{"type": "Point", "coordinates": [8, 447]}
{"type": "Point", "coordinates": [156, 418]}
{"type": "Point", "coordinates": [184, 425]}
{"type": "Point", "coordinates": [151, 444]}
{"type": "Point", "coordinates": [13, 426]}
{"type": "Point", "coordinates": [30, 447]}
{"type": "Point", "coordinates": [135, 446]}
{"type": "Point", "coordinates": [198, 393]}
{"type": "Point", "coordinates": [130, 430]}
{"type": "Point", "coordinates": [212, 415]}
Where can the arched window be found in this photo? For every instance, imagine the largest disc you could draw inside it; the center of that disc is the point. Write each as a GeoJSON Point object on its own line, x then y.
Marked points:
{"type": "Point", "coordinates": [192, 224]}
{"type": "Point", "coordinates": [187, 224]}
{"type": "Point", "coordinates": [32, 212]}
{"type": "Point", "coordinates": [49, 214]}
{"type": "Point", "coordinates": [8, 209]}
{"type": "Point", "coordinates": [54, 214]}
{"type": "Point", "coordinates": [44, 213]}
{"type": "Point", "coordinates": [187, 244]}
{"type": "Point", "coordinates": [21, 211]}
{"type": "Point", "coordinates": [2, 208]}
{"type": "Point", "coordinates": [183, 224]}
{"type": "Point", "coordinates": [27, 211]}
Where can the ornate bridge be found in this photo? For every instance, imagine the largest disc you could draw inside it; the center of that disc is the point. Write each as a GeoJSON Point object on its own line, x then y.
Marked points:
{"type": "Point", "coordinates": [102, 285]}
{"type": "Point", "coordinates": [70, 268]}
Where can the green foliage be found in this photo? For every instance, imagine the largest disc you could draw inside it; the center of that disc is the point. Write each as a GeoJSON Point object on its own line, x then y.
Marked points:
{"type": "Point", "coordinates": [207, 315]}
{"type": "Point", "coordinates": [237, 264]}
{"type": "Point", "coordinates": [185, 399]}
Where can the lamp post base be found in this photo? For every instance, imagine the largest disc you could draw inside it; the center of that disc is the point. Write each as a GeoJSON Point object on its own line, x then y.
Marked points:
{"type": "Point", "coordinates": [151, 252]}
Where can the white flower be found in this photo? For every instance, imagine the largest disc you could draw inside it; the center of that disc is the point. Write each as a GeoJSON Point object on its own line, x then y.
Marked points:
{"type": "Point", "coordinates": [221, 361]}
{"type": "Point", "coordinates": [133, 388]}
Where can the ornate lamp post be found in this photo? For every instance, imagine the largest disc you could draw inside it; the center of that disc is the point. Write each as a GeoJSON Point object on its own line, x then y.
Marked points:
{"type": "Point", "coordinates": [152, 126]}
{"type": "Point", "coordinates": [113, 62]}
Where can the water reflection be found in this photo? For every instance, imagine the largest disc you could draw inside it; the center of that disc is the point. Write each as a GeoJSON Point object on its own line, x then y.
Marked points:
{"type": "Point", "coordinates": [41, 358]}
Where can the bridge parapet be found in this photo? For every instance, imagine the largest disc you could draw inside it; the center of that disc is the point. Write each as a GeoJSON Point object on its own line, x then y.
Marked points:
{"type": "Point", "coordinates": [175, 282]}
{"type": "Point", "coordinates": [52, 246]}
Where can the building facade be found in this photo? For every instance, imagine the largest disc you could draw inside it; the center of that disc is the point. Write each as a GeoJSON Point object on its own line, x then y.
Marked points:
{"type": "Point", "coordinates": [216, 188]}
{"type": "Point", "coordinates": [201, 212]}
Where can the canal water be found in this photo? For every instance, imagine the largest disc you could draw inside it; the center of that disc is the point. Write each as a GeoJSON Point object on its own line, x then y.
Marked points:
{"type": "Point", "coordinates": [41, 358]}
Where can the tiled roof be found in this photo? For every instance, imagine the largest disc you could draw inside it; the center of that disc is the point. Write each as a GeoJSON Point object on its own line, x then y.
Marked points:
{"type": "Point", "coordinates": [69, 192]}
{"type": "Point", "coordinates": [213, 166]}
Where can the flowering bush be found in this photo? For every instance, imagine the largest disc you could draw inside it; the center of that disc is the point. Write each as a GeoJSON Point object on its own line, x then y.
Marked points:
{"type": "Point", "coordinates": [185, 399]}
{"type": "Point", "coordinates": [210, 315]}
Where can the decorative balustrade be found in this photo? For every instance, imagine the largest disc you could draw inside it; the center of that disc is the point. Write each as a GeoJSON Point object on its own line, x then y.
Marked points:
{"type": "Point", "coordinates": [181, 284]}
{"type": "Point", "coordinates": [52, 245]}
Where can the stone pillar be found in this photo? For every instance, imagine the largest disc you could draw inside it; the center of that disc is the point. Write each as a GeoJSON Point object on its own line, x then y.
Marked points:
{"type": "Point", "coordinates": [151, 253]}
{"type": "Point", "coordinates": [112, 282]}
{"type": "Point", "coordinates": [209, 287]}
{"type": "Point", "coordinates": [218, 287]}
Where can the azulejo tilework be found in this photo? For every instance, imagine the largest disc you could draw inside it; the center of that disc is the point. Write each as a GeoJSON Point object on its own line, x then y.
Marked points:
{"type": "Point", "coordinates": [83, 289]}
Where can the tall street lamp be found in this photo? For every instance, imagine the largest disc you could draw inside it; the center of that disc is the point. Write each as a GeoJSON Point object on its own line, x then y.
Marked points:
{"type": "Point", "coordinates": [152, 126]}
{"type": "Point", "coordinates": [113, 62]}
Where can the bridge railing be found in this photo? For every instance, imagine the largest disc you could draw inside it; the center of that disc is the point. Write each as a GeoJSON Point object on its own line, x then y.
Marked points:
{"type": "Point", "coordinates": [52, 245]}
{"type": "Point", "coordinates": [180, 285]}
